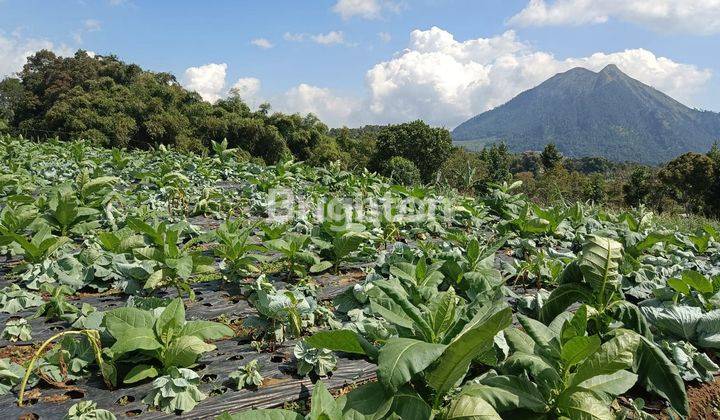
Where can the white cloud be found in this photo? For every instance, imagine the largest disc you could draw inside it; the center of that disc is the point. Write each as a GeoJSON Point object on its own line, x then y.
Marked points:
{"type": "Point", "coordinates": [92, 25]}
{"type": "Point", "coordinates": [207, 80]}
{"type": "Point", "coordinates": [332, 37]}
{"type": "Point", "coordinates": [248, 88]}
{"type": "Point", "coordinates": [332, 109]}
{"type": "Point", "coordinates": [367, 9]}
{"type": "Point", "coordinates": [700, 17]}
{"type": "Point", "coordinates": [384, 37]}
{"type": "Point", "coordinates": [15, 50]}
{"type": "Point", "coordinates": [262, 43]}
{"type": "Point", "coordinates": [294, 37]}
{"type": "Point", "coordinates": [89, 25]}
{"type": "Point", "coordinates": [445, 81]}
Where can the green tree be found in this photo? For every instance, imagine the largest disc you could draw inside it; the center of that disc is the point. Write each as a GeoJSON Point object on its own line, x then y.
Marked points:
{"type": "Point", "coordinates": [639, 187]}
{"type": "Point", "coordinates": [464, 170]}
{"type": "Point", "coordinates": [403, 171]}
{"type": "Point", "coordinates": [497, 159]}
{"type": "Point", "coordinates": [689, 180]}
{"type": "Point", "coordinates": [595, 189]}
{"type": "Point", "coordinates": [714, 199]}
{"type": "Point", "coordinates": [427, 147]}
{"type": "Point", "coordinates": [550, 157]}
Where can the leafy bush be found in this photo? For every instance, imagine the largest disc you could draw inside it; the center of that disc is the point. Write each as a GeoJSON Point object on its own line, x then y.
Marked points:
{"type": "Point", "coordinates": [159, 340]}
{"type": "Point", "coordinates": [426, 147]}
{"type": "Point", "coordinates": [175, 392]}
{"type": "Point", "coordinates": [402, 171]}
{"type": "Point", "coordinates": [10, 375]}
{"type": "Point", "coordinates": [247, 376]}
{"type": "Point", "coordinates": [557, 370]}
{"type": "Point", "coordinates": [310, 359]}
{"type": "Point", "coordinates": [87, 410]}
{"type": "Point", "coordinates": [17, 329]}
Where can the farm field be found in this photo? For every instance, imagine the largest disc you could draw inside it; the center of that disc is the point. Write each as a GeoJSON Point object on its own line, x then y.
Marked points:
{"type": "Point", "coordinates": [161, 284]}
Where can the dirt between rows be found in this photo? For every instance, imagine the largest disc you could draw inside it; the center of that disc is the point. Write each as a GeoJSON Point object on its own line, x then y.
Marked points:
{"type": "Point", "coordinates": [704, 400]}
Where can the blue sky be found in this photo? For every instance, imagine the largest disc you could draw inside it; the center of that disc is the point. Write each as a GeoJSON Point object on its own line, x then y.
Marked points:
{"type": "Point", "coordinates": [377, 61]}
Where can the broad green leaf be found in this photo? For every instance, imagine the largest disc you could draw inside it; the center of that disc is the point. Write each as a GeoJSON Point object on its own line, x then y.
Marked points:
{"type": "Point", "coordinates": [611, 385]}
{"type": "Point", "coordinates": [267, 414]}
{"type": "Point", "coordinates": [507, 393]}
{"type": "Point", "coordinates": [135, 339]}
{"type": "Point", "coordinates": [519, 341]}
{"type": "Point", "coordinates": [471, 407]}
{"type": "Point", "coordinates": [322, 404]}
{"type": "Point", "coordinates": [660, 375]}
{"type": "Point", "coordinates": [408, 404]}
{"type": "Point", "coordinates": [599, 263]}
{"type": "Point", "coordinates": [184, 351]}
{"type": "Point", "coordinates": [678, 321]}
{"type": "Point", "coordinates": [140, 372]}
{"type": "Point", "coordinates": [578, 349]}
{"type": "Point", "coordinates": [475, 339]}
{"type": "Point", "coordinates": [342, 340]}
{"type": "Point", "coordinates": [207, 330]}
{"type": "Point", "coordinates": [320, 267]}
{"type": "Point", "coordinates": [367, 402]}
{"type": "Point", "coordinates": [118, 321]}
{"type": "Point", "coordinates": [443, 311]}
{"type": "Point", "coordinates": [401, 358]}
{"type": "Point", "coordinates": [579, 405]}
{"type": "Point", "coordinates": [631, 317]}
{"type": "Point", "coordinates": [154, 280]}
{"type": "Point", "coordinates": [616, 354]}
{"type": "Point", "coordinates": [697, 281]}
{"type": "Point", "coordinates": [562, 297]}
{"type": "Point", "coordinates": [540, 333]}
{"type": "Point", "coordinates": [543, 372]}
{"type": "Point", "coordinates": [183, 266]}
{"type": "Point", "coordinates": [679, 285]}
{"type": "Point", "coordinates": [170, 321]}
{"type": "Point", "coordinates": [408, 308]}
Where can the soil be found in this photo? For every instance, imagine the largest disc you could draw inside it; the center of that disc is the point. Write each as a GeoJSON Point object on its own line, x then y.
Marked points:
{"type": "Point", "coordinates": [17, 354]}
{"type": "Point", "coordinates": [704, 400]}
{"type": "Point", "coordinates": [351, 277]}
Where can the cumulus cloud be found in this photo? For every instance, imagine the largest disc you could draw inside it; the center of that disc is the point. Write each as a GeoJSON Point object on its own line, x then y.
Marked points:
{"type": "Point", "coordinates": [366, 9]}
{"type": "Point", "coordinates": [262, 43]}
{"type": "Point", "coordinates": [446, 81]}
{"type": "Point", "coordinates": [335, 110]}
{"type": "Point", "coordinates": [700, 17]}
{"type": "Point", "coordinates": [207, 80]}
{"type": "Point", "coordinates": [384, 37]}
{"type": "Point", "coordinates": [248, 89]}
{"type": "Point", "coordinates": [15, 50]}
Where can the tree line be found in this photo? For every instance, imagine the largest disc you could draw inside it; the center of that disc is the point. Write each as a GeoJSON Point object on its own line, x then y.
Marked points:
{"type": "Point", "coordinates": [115, 104]}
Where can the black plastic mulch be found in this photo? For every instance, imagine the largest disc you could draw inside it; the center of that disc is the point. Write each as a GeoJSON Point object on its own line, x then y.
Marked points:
{"type": "Point", "coordinates": [213, 300]}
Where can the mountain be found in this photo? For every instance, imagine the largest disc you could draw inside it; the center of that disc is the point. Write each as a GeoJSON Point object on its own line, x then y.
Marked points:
{"type": "Point", "coordinates": [584, 113]}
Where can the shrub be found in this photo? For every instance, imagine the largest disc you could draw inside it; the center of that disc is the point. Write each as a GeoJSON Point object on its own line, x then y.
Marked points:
{"type": "Point", "coordinates": [402, 171]}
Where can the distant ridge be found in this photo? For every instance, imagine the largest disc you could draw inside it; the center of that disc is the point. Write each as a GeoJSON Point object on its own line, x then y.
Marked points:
{"type": "Point", "coordinates": [585, 113]}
